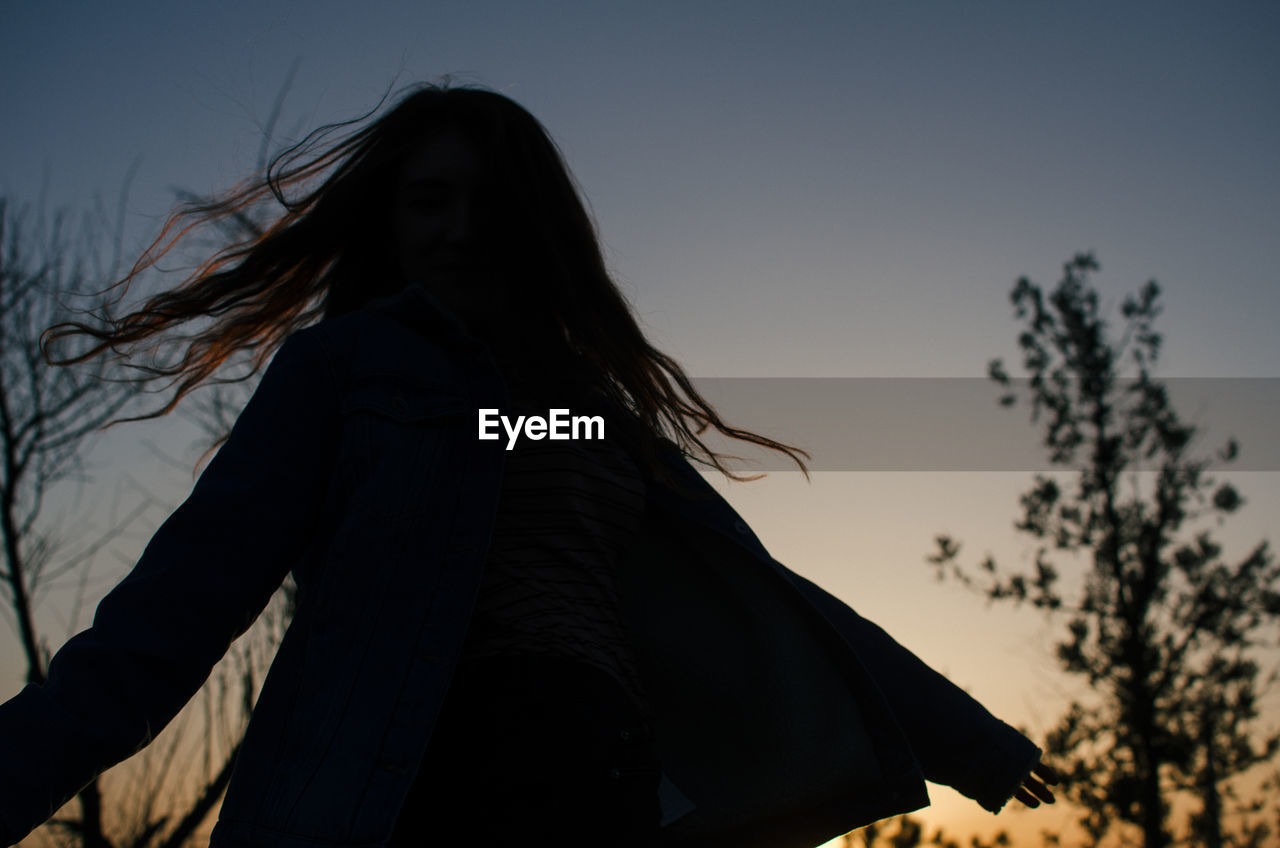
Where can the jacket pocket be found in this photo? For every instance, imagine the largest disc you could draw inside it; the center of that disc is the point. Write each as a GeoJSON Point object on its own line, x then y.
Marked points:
{"type": "Point", "coordinates": [389, 425]}
{"type": "Point", "coordinates": [401, 402]}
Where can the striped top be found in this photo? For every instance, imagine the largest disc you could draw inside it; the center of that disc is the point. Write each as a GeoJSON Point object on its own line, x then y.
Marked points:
{"type": "Point", "coordinates": [566, 513]}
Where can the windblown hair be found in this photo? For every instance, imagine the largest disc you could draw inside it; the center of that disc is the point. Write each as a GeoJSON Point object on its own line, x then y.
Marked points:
{"type": "Point", "coordinates": [331, 252]}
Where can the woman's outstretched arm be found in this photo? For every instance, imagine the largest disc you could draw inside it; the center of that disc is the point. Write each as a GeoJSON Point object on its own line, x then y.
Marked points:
{"type": "Point", "coordinates": [204, 577]}
{"type": "Point", "coordinates": [955, 739]}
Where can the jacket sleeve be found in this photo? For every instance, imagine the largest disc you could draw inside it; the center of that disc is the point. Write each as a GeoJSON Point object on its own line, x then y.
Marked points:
{"type": "Point", "coordinates": [203, 578]}
{"type": "Point", "coordinates": [954, 738]}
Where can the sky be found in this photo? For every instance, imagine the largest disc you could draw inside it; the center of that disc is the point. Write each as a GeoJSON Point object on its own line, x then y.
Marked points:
{"type": "Point", "coordinates": [815, 189]}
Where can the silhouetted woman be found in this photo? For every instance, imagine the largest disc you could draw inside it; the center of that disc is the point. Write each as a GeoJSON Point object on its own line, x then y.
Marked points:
{"type": "Point", "coordinates": [561, 641]}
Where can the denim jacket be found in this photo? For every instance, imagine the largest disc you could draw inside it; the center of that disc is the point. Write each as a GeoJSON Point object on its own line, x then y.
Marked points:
{"type": "Point", "coordinates": [783, 717]}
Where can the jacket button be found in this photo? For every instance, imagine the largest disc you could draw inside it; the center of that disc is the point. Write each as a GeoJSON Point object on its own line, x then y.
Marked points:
{"type": "Point", "coordinates": [741, 527]}
{"type": "Point", "coordinates": [399, 404]}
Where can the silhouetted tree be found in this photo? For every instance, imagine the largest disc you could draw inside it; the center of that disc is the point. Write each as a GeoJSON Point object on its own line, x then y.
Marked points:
{"type": "Point", "coordinates": [1163, 628]}
{"type": "Point", "coordinates": [909, 833]}
{"type": "Point", "coordinates": [49, 418]}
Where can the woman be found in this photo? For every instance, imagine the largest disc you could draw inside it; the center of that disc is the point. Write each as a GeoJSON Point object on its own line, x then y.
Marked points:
{"type": "Point", "coordinates": [566, 641]}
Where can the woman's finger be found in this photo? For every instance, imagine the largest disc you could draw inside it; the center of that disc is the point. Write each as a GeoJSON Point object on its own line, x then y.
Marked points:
{"type": "Point", "coordinates": [1047, 773]}
{"type": "Point", "coordinates": [1026, 797]}
{"type": "Point", "coordinates": [1039, 790]}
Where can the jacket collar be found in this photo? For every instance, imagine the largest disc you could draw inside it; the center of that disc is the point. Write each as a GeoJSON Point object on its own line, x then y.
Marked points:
{"type": "Point", "coordinates": [417, 308]}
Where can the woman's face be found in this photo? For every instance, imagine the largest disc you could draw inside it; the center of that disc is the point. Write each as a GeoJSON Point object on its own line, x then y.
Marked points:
{"type": "Point", "coordinates": [445, 223]}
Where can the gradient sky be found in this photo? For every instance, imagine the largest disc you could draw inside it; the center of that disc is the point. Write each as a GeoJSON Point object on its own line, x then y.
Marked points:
{"type": "Point", "coordinates": [833, 189]}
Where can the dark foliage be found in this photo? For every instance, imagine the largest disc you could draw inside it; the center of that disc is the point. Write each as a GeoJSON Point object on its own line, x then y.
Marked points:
{"type": "Point", "coordinates": [1163, 628]}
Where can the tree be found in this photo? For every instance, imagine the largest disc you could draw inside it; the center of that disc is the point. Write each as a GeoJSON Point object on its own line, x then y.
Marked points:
{"type": "Point", "coordinates": [910, 833]}
{"type": "Point", "coordinates": [49, 418]}
{"type": "Point", "coordinates": [1163, 629]}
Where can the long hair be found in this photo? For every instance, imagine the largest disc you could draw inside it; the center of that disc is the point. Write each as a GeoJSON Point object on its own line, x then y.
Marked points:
{"type": "Point", "coordinates": [330, 252]}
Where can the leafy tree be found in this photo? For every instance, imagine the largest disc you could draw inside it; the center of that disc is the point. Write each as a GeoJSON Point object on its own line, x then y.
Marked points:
{"type": "Point", "coordinates": [910, 833]}
{"type": "Point", "coordinates": [1163, 628]}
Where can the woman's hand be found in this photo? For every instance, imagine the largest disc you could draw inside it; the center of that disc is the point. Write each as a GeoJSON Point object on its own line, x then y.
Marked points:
{"type": "Point", "coordinates": [1035, 787]}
